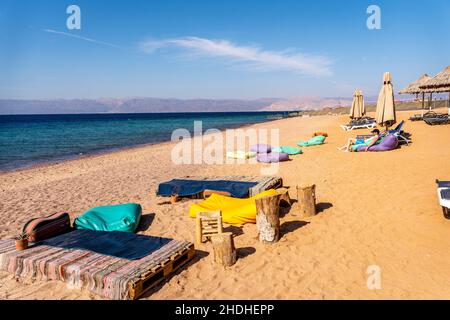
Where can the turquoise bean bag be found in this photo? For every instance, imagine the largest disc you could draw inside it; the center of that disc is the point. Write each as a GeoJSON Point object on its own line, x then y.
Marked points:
{"type": "Point", "coordinates": [122, 217]}
{"type": "Point", "coordinates": [315, 141]}
{"type": "Point", "coordinates": [287, 149]}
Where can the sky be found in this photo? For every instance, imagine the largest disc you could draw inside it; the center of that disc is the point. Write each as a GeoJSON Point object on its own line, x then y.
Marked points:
{"type": "Point", "coordinates": [217, 49]}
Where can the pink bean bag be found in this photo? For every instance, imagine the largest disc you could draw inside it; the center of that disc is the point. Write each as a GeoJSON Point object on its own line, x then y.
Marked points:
{"type": "Point", "coordinates": [261, 148]}
{"type": "Point", "coordinates": [272, 157]}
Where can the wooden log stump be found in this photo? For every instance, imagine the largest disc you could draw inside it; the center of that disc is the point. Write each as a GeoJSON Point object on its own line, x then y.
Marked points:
{"type": "Point", "coordinates": [224, 250]}
{"type": "Point", "coordinates": [268, 219]}
{"type": "Point", "coordinates": [285, 199]}
{"type": "Point", "coordinates": [306, 196]}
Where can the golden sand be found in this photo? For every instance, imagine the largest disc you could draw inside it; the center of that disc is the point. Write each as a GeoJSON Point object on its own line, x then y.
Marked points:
{"type": "Point", "coordinates": [376, 209]}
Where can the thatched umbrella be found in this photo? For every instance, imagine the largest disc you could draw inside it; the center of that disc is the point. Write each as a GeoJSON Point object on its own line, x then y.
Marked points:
{"type": "Point", "coordinates": [439, 83]}
{"type": "Point", "coordinates": [385, 114]}
{"type": "Point", "coordinates": [414, 88]}
{"type": "Point", "coordinates": [358, 109]}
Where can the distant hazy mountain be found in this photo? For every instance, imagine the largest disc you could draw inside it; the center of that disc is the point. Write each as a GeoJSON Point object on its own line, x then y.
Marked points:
{"type": "Point", "coordinates": [140, 105]}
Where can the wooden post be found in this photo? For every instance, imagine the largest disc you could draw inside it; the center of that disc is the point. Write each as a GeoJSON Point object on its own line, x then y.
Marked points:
{"type": "Point", "coordinates": [224, 250]}
{"type": "Point", "coordinates": [306, 196]}
{"type": "Point", "coordinates": [423, 102]}
{"type": "Point", "coordinates": [268, 219]}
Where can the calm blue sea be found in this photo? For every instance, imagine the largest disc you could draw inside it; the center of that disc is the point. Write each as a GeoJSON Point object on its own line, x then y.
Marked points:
{"type": "Point", "coordinates": [26, 140]}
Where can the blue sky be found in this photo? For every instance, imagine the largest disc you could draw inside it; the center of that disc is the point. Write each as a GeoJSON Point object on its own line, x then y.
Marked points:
{"type": "Point", "coordinates": [211, 49]}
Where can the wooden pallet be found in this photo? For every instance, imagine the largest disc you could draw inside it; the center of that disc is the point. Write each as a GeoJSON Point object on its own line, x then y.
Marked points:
{"type": "Point", "coordinates": [161, 272]}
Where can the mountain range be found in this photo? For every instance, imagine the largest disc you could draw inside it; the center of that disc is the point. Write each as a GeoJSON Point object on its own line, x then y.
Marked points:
{"type": "Point", "coordinates": [142, 105]}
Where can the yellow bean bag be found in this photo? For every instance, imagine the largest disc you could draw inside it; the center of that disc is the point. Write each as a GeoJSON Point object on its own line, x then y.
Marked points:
{"type": "Point", "coordinates": [234, 210]}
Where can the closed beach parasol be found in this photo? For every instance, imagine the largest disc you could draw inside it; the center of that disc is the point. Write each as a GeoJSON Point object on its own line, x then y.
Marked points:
{"type": "Point", "coordinates": [385, 114]}
{"type": "Point", "coordinates": [358, 109]}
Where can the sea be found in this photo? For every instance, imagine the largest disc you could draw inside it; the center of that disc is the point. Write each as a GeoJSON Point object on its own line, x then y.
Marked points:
{"type": "Point", "coordinates": [28, 140]}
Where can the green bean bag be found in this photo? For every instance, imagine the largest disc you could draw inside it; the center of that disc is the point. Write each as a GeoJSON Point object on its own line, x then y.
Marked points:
{"type": "Point", "coordinates": [287, 149]}
{"type": "Point", "coordinates": [122, 217]}
{"type": "Point", "coordinates": [315, 141]}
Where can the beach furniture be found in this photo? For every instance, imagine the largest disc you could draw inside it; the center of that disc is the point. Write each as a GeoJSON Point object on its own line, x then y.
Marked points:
{"type": "Point", "coordinates": [306, 197]}
{"type": "Point", "coordinates": [207, 224]}
{"type": "Point", "coordinates": [115, 265]}
{"type": "Point", "coordinates": [240, 154]}
{"type": "Point", "coordinates": [443, 192]}
{"type": "Point", "coordinates": [442, 119]}
{"type": "Point", "coordinates": [236, 186]}
{"type": "Point", "coordinates": [122, 217]}
{"type": "Point", "coordinates": [224, 249]}
{"type": "Point", "coordinates": [287, 149]}
{"type": "Point", "coordinates": [314, 141]}
{"type": "Point", "coordinates": [428, 115]}
{"type": "Point", "coordinates": [261, 148]}
{"type": "Point", "coordinates": [234, 211]}
{"type": "Point", "coordinates": [388, 143]}
{"type": "Point", "coordinates": [268, 218]}
{"type": "Point", "coordinates": [363, 123]}
{"type": "Point", "coordinates": [399, 133]}
{"type": "Point", "coordinates": [272, 157]}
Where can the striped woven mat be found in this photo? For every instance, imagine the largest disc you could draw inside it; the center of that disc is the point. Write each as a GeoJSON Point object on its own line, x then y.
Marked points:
{"type": "Point", "coordinates": [105, 275]}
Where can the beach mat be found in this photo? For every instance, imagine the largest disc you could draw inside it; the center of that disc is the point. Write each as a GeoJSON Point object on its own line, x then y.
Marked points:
{"type": "Point", "coordinates": [109, 276]}
{"type": "Point", "coordinates": [117, 244]}
{"type": "Point", "coordinates": [237, 186]}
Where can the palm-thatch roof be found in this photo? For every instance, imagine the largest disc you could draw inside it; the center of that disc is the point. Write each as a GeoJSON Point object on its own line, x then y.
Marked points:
{"type": "Point", "coordinates": [439, 83]}
{"type": "Point", "coordinates": [413, 87]}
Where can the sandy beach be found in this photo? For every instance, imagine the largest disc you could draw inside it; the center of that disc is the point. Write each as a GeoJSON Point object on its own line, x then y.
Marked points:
{"type": "Point", "coordinates": [375, 209]}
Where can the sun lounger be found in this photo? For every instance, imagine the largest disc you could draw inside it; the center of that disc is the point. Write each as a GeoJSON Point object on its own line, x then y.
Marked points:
{"type": "Point", "coordinates": [363, 123]}
{"type": "Point", "coordinates": [115, 265]}
{"type": "Point", "coordinates": [399, 133]}
{"type": "Point", "coordinates": [438, 120]}
{"type": "Point", "coordinates": [237, 186]}
{"type": "Point", "coordinates": [444, 196]}
{"type": "Point", "coordinates": [428, 115]}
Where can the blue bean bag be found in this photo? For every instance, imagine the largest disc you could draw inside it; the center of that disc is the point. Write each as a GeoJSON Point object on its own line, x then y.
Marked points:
{"type": "Point", "coordinates": [288, 149]}
{"type": "Point", "coordinates": [272, 157]}
{"type": "Point", "coordinates": [315, 141]}
{"type": "Point", "coordinates": [122, 217]}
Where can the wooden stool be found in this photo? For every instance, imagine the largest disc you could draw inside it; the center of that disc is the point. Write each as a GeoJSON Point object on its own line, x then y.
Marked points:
{"type": "Point", "coordinates": [268, 219]}
{"type": "Point", "coordinates": [208, 224]}
{"type": "Point", "coordinates": [306, 196]}
{"type": "Point", "coordinates": [285, 200]}
{"type": "Point", "coordinates": [224, 250]}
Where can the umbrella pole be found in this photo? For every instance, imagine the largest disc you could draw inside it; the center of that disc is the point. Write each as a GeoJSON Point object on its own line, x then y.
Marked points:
{"type": "Point", "coordinates": [423, 102]}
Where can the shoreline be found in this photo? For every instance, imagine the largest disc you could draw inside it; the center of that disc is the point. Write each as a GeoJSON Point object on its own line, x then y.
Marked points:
{"type": "Point", "coordinates": [49, 163]}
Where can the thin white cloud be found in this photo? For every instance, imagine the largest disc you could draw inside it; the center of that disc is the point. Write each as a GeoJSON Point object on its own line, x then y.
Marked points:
{"type": "Point", "coordinates": [71, 35]}
{"type": "Point", "coordinates": [263, 59]}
